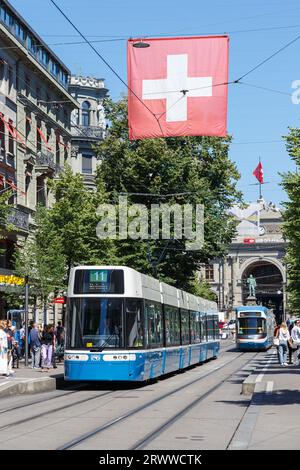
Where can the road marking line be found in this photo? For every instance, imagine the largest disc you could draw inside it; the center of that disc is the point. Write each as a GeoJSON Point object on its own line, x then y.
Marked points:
{"type": "Point", "coordinates": [269, 388]}
{"type": "Point", "coordinates": [260, 376]}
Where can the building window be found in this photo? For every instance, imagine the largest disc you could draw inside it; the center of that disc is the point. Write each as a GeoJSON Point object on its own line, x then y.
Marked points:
{"type": "Point", "coordinates": [28, 127]}
{"type": "Point", "coordinates": [1, 70]}
{"type": "Point", "coordinates": [54, 68]}
{"type": "Point", "coordinates": [87, 166]}
{"type": "Point", "coordinates": [38, 93]}
{"type": "Point", "coordinates": [32, 45]}
{"type": "Point", "coordinates": [38, 138]}
{"type": "Point", "coordinates": [209, 272]}
{"type": "Point", "coordinates": [85, 113]}
{"type": "Point", "coordinates": [20, 32]}
{"type": "Point", "coordinates": [27, 85]}
{"type": "Point", "coordinates": [6, 18]}
{"type": "Point", "coordinates": [57, 152]}
{"type": "Point", "coordinates": [10, 79]}
{"type": "Point", "coordinates": [63, 78]}
{"type": "Point", "coordinates": [2, 137]}
{"type": "Point", "coordinates": [43, 57]}
{"type": "Point", "coordinates": [10, 138]}
{"type": "Point", "coordinates": [40, 191]}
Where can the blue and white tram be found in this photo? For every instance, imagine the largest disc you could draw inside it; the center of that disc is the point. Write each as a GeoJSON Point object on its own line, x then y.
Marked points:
{"type": "Point", "coordinates": [124, 325]}
{"type": "Point", "coordinates": [254, 328]}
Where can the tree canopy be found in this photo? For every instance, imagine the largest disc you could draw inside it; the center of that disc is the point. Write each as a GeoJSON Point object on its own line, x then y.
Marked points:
{"type": "Point", "coordinates": [291, 217]}
{"type": "Point", "coordinates": [195, 170]}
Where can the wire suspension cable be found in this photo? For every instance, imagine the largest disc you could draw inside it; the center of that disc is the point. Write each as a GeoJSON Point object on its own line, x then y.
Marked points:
{"type": "Point", "coordinates": [270, 57]}
{"type": "Point", "coordinates": [107, 64]}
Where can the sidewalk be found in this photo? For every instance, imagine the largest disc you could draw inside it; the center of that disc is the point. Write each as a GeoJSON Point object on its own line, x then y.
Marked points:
{"type": "Point", "coordinates": [272, 421]}
{"type": "Point", "coordinates": [28, 380]}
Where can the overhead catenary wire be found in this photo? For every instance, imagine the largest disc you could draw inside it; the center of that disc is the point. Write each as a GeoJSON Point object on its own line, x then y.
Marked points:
{"type": "Point", "coordinates": [267, 59]}
{"type": "Point", "coordinates": [107, 63]}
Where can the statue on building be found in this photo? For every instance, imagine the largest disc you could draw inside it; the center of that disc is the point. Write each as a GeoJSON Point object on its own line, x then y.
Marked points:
{"type": "Point", "coordinates": [252, 285]}
{"type": "Point", "coordinates": [100, 115]}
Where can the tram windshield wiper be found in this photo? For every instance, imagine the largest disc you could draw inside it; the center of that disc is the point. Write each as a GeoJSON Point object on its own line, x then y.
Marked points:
{"type": "Point", "coordinates": [106, 342]}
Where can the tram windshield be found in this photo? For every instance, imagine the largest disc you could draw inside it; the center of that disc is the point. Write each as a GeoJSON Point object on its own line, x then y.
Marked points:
{"type": "Point", "coordinates": [251, 326]}
{"type": "Point", "coordinates": [96, 323]}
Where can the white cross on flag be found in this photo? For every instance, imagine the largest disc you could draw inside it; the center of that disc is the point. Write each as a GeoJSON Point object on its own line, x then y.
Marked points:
{"type": "Point", "coordinates": [177, 87]}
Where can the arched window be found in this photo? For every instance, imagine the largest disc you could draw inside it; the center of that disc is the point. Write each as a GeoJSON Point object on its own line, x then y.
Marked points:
{"type": "Point", "coordinates": [85, 113]}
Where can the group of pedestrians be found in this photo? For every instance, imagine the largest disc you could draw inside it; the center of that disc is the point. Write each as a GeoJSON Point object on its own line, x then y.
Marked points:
{"type": "Point", "coordinates": [288, 342]}
{"type": "Point", "coordinates": [45, 345]}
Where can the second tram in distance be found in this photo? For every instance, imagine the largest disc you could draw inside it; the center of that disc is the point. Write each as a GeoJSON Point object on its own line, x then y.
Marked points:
{"type": "Point", "coordinates": [254, 328]}
{"type": "Point", "coordinates": [124, 325]}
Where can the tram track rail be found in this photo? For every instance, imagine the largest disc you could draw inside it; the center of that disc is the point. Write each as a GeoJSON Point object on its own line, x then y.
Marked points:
{"type": "Point", "coordinates": [139, 445]}
{"type": "Point", "coordinates": [42, 400]}
{"type": "Point", "coordinates": [100, 429]}
{"type": "Point", "coordinates": [60, 408]}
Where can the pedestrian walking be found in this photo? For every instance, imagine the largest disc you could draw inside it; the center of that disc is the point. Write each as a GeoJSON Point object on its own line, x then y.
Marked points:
{"type": "Point", "coordinates": [295, 334]}
{"type": "Point", "coordinates": [284, 336]}
{"type": "Point", "coordinates": [54, 342]}
{"type": "Point", "coordinates": [47, 348]}
{"type": "Point", "coordinates": [35, 346]}
{"type": "Point", "coordinates": [290, 345]}
{"type": "Point", "coordinates": [9, 330]}
{"type": "Point", "coordinates": [3, 349]}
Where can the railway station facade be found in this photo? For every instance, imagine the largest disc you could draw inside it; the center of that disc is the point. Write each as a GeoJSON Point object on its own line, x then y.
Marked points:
{"type": "Point", "coordinates": [258, 249]}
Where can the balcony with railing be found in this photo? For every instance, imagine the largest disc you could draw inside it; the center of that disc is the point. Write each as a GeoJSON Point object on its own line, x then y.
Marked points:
{"type": "Point", "coordinates": [18, 218]}
{"type": "Point", "coordinates": [87, 132]}
{"type": "Point", "coordinates": [45, 163]}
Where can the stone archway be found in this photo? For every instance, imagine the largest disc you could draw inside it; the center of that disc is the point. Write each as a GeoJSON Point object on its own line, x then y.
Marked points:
{"type": "Point", "coordinates": [269, 290]}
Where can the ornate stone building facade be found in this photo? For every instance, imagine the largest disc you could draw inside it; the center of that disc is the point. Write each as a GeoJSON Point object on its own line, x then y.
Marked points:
{"type": "Point", "coordinates": [88, 124]}
{"type": "Point", "coordinates": [35, 126]}
{"type": "Point", "coordinates": [258, 249]}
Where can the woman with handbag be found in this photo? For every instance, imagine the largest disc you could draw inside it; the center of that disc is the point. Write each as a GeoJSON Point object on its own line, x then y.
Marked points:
{"type": "Point", "coordinates": [284, 337]}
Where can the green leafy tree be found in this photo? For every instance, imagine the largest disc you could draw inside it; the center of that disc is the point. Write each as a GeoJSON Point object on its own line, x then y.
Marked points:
{"type": "Point", "coordinates": [73, 218]}
{"type": "Point", "coordinates": [195, 170]}
{"type": "Point", "coordinates": [202, 289]}
{"type": "Point", "coordinates": [291, 217]}
{"type": "Point", "coordinates": [42, 260]}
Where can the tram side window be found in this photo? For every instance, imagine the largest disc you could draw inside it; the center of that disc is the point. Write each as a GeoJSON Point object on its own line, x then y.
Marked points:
{"type": "Point", "coordinates": [195, 327]}
{"type": "Point", "coordinates": [172, 326]}
{"type": "Point", "coordinates": [153, 321]}
{"type": "Point", "coordinates": [134, 332]}
{"type": "Point", "coordinates": [203, 328]}
{"type": "Point", "coordinates": [210, 330]}
{"type": "Point", "coordinates": [216, 327]}
{"type": "Point", "coordinates": [185, 330]}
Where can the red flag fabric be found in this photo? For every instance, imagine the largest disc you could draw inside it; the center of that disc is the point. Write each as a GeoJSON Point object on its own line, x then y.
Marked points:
{"type": "Point", "coordinates": [259, 173]}
{"type": "Point", "coordinates": [177, 87]}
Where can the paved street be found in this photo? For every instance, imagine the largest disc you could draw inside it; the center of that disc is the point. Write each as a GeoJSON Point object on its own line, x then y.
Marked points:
{"type": "Point", "coordinates": [207, 400]}
{"type": "Point", "coordinates": [202, 408]}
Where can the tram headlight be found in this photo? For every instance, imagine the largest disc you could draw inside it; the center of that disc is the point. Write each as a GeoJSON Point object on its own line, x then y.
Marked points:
{"type": "Point", "coordinates": [76, 357]}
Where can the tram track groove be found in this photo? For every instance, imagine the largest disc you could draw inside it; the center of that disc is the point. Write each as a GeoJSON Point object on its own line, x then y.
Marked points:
{"type": "Point", "coordinates": [44, 413]}
{"type": "Point", "coordinates": [163, 427]}
{"type": "Point", "coordinates": [79, 388]}
{"type": "Point", "coordinates": [32, 403]}
{"type": "Point", "coordinates": [74, 442]}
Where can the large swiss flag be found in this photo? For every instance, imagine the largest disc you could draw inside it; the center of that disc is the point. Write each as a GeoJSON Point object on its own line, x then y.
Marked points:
{"type": "Point", "coordinates": [177, 87]}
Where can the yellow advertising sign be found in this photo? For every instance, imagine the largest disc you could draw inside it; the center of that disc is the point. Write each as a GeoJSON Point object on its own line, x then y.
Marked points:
{"type": "Point", "coordinates": [12, 280]}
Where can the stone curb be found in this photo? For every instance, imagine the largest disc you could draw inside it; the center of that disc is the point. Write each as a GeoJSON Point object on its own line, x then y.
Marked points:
{"type": "Point", "coordinates": [248, 386]}
{"type": "Point", "coordinates": [26, 386]}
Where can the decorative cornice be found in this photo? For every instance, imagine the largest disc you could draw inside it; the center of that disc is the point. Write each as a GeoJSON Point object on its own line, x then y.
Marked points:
{"type": "Point", "coordinates": [89, 82]}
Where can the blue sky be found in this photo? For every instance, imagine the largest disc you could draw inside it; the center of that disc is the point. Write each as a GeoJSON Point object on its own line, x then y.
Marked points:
{"type": "Point", "coordinates": [256, 118]}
